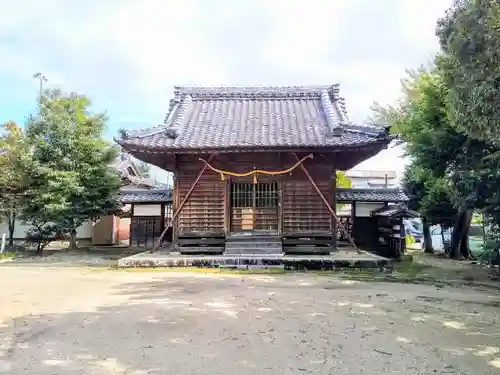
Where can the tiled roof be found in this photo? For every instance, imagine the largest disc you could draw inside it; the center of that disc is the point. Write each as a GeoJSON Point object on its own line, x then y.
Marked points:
{"type": "Point", "coordinates": [371, 195]}
{"type": "Point", "coordinates": [394, 210]}
{"type": "Point", "coordinates": [254, 117]}
{"type": "Point", "coordinates": [146, 196]}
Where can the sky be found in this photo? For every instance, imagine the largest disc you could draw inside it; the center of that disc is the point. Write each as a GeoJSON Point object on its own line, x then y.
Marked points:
{"type": "Point", "coordinates": [127, 55]}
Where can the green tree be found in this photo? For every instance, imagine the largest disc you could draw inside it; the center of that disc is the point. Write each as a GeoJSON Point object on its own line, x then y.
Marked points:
{"type": "Point", "coordinates": [342, 180]}
{"type": "Point", "coordinates": [431, 197]}
{"type": "Point", "coordinates": [14, 161]}
{"type": "Point", "coordinates": [469, 36]}
{"type": "Point", "coordinates": [72, 178]}
{"type": "Point", "coordinates": [438, 153]}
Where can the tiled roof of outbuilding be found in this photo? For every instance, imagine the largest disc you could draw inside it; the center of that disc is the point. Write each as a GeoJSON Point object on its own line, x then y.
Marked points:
{"type": "Point", "coordinates": [146, 196]}
{"type": "Point", "coordinates": [371, 195]}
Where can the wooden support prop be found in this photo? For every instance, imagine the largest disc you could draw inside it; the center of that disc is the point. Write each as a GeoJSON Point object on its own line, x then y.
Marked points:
{"type": "Point", "coordinates": [178, 209]}
{"type": "Point", "coordinates": [332, 212]}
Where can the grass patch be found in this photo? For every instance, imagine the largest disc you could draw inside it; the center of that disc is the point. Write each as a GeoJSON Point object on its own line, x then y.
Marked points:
{"type": "Point", "coordinates": [411, 269]}
{"type": "Point", "coordinates": [7, 255]}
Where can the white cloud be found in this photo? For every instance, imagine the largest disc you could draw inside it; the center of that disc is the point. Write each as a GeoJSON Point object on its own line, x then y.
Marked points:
{"type": "Point", "coordinates": [128, 54]}
{"type": "Point", "coordinates": [301, 32]}
{"type": "Point", "coordinates": [417, 21]}
{"type": "Point", "coordinates": [163, 43]}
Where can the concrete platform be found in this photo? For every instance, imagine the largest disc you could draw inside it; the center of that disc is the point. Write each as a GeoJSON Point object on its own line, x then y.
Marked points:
{"type": "Point", "coordinates": [342, 259]}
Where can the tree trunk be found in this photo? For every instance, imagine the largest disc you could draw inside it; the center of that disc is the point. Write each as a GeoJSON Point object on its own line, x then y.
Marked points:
{"type": "Point", "coordinates": [12, 226]}
{"type": "Point", "coordinates": [72, 240]}
{"type": "Point", "coordinates": [464, 244]}
{"type": "Point", "coordinates": [39, 248]}
{"type": "Point", "coordinates": [427, 236]}
{"type": "Point", "coordinates": [442, 238]}
{"type": "Point", "coordinates": [460, 235]}
{"type": "Point", "coordinates": [456, 234]}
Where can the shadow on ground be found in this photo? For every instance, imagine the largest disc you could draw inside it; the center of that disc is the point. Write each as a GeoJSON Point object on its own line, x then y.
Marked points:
{"type": "Point", "coordinates": [257, 325]}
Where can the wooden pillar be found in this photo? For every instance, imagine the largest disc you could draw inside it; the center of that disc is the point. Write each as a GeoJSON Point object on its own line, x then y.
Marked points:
{"type": "Point", "coordinates": [280, 206]}
{"type": "Point", "coordinates": [162, 215]}
{"type": "Point", "coordinates": [175, 203]}
{"type": "Point", "coordinates": [130, 226]}
{"type": "Point", "coordinates": [227, 207]}
{"type": "Point", "coordinates": [353, 220]}
{"type": "Point", "coordinates": [333, 199]}
{"type": "Point", "coordinates": [402, 235]}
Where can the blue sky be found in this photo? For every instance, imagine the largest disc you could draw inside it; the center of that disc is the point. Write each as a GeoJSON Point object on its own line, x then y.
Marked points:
{"type": "Point", "coordinates": [126, 55]}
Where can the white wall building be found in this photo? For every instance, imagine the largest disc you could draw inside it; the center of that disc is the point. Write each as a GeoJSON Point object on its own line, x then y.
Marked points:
{"type": "Point", "coordinates": [132, 179]}
{"type": "Point", "coordinates": [373, 179]}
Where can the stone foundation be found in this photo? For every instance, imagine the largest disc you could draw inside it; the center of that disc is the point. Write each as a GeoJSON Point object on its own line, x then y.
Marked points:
{"type": "Point", "coordinates": [292, 262]}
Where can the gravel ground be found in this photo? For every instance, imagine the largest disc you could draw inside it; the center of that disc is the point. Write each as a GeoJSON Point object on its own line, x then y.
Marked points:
{"type": "Point", "coordinates": [71, 320]}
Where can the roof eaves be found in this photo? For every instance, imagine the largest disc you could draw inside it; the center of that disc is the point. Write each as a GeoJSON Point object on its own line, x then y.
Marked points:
{"type": "Point", "coordinates": [373, 130]}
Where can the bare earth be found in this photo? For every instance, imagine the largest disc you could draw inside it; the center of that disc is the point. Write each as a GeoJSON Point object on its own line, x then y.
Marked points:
{"type": "Point", "coordinates": [63, 320]}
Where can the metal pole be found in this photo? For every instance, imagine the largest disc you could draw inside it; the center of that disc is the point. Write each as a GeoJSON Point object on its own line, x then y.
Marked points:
{"type": "Point", "coordinates": [41, 78]}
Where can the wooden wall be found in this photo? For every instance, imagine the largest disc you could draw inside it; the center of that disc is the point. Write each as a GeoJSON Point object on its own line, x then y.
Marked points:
{"type": "Point", "coordinates": [206, 212]}
{"type": "Point", "coordinates": [304, 212]}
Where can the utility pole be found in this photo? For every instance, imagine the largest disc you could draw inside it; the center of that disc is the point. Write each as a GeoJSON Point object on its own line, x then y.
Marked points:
{"type": "Point", "coordinates": [41, 78]}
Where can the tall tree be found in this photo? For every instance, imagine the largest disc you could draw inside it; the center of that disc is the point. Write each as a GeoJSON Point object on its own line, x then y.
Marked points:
{"type": "Point", "coordinates": [430, 196]}
{"type": "Point", "coordinates": [436, 150]}
{"type": "Point", "coordinates": [469, 36]}
{"type": "Point", "coordinates": [72, 178]}
{"type": "Point", "coordinates": [14, 161]}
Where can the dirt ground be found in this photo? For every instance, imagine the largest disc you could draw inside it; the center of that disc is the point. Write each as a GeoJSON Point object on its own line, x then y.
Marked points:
{"type": "Point", "coordinates": [76, 320]}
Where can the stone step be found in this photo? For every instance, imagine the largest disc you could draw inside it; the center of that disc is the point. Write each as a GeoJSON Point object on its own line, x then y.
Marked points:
{"type": "Point", "coordinates": [252, 238]}
{"type": "Point", "coordinates": [274, 250]}
{"type": "Point", "coordinates": [248, 245]}
{"type": "Point", "coordinates": [241, 245]}
{"type": "Point", "coordinates": [254, 250]}
{"type": "Point", "coordinates": [252, 254]}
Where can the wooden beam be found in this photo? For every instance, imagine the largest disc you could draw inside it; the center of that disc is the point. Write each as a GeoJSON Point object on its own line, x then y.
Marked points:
{"type": "Point", "coordinates": [333, 200]}
{"type": "Point", "coordinates": [325, 201]}
{"type": "Point", "coordinates": [227, 206]}
{"type": "Point", "coordinates": [130, 231]}
{"type": "Point", "coordinates": [175, 203]}
{"type": "Point", "coordinates": [178, 209]}
{"type": "Point", "coordinates": [162, 214]}
{"type": "Point", "coordinates": [280, 206]}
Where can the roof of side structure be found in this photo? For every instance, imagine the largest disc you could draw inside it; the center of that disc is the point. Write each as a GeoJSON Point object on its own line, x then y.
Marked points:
{"type": "Point", "coordinates": [226, 118]}
{"type": "Point", "coordinates": [146, 196]}
{"type": "Point", "coordinates": [371, 195]}
{"type": "Point", "coordinates": [342, 195]}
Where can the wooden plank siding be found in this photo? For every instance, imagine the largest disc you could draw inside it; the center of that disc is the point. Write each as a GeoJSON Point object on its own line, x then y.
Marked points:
{"type": "Point", "coordinates": [295, 208]}
{"type": "Point", "coordinates": [303, 210]}
{"type": "Point", "coordinates": [204, 210]}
